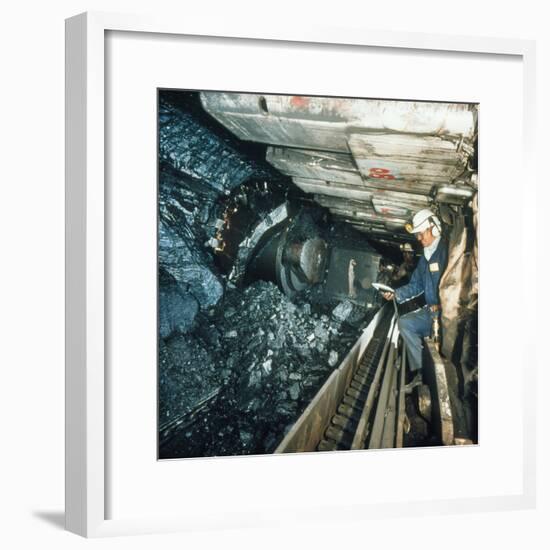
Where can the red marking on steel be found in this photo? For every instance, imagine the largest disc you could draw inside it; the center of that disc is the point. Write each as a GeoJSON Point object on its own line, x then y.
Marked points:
{"type": "Point", "coordinates": [299, 101]}
{"type": "Point", "coordinates": [381, 173]}
{"type": "Point", "coordinates": [385, 210]}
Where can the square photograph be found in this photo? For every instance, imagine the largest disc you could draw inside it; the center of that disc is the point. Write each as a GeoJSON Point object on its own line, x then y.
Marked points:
{"type": "Point", "coordinates": [317, 273]}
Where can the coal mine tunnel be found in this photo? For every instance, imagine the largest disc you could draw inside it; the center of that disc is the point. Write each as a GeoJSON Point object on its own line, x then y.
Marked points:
{"type": "Point", "coordinates": [277, 214]}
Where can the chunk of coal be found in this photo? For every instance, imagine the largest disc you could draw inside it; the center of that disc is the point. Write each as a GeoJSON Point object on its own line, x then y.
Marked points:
{"type": "Point", "coordinates": [342, 311]}
{"type": "Point", "coordinates": [266, 365]}
{"type": "Point", "coordinates": [350, 313]}
{"type": "Point", "coordinates": [177, 310]}
{"type": "Point", "coordinates": [184, 264]}
{"type": "Point", "coordinates": [195, 150]}
{"type": "Point", "coordinates": [294, 391]}
{"type": "Point", "coordinates": [185, 204]}
{"type": "Point", "coordinates": [246, 438]}
{"type": "Point", "coordinates": [321, 332]}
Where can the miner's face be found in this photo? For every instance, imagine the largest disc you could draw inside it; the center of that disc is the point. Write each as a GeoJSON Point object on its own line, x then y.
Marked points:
{"type": "Point", "coordinates": [426, 237]}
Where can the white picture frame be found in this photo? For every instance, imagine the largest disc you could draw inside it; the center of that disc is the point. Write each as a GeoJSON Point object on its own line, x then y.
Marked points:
{"type": "Point", "coordinates": [86, 476]}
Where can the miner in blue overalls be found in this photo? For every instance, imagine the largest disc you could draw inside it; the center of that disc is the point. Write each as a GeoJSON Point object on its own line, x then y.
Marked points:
{"type": "Point", "coordinates": [415, 326]}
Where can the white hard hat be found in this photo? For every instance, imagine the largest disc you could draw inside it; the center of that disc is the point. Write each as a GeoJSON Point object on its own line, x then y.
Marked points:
{"type": "Point", "coordinates": [422, 220]}
{"type": "Point", "coordinates": [406, 247]}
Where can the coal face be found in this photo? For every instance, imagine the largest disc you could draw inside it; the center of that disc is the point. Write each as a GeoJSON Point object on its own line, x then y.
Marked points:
{"type": "Point", "coordinates": [200, 169]}
{"type": "Point", "coordinates": [177, 309]}
{"type": "Point", "coordinates": [260, 359]}
{"type": "Point", "coordinates": [237, 365]}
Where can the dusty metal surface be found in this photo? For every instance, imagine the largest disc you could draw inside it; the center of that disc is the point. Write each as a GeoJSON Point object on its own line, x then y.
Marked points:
{"type": "Point", "coordinates": [401, 409]}
{"type": "Point", "coordinates": [302, 121]}
{"type": "Point", "coordinates": [407, 162]}
{"type": "Point", "coordinates": [383, 426]}
{"type": "Point", "coordinates": [333, 188]}
{"type": "Point", "coordinates": [341, 149]}
{"type": "Point", "coordinates": [424, 397]}
{"type": "Point", "coordinates": [310, 256]}
{"type": "Point", "coordinates": [351, 272]}
{"type": "Point", "coordinates": [323, 165]}
{"type": "Point", "coordinates": [442, 412]}
{"type": "Point", "coordinates": [451, 414]}
{"type": "Point", "coordinates": [389, 434]}
{"type": "Point", "coordinates": [363, 426]}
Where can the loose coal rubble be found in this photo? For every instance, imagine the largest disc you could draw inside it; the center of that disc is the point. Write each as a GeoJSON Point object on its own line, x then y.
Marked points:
{"type": "Point", "coordinates": [263, 356]}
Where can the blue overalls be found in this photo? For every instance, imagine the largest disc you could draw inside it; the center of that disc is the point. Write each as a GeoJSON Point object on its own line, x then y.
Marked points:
{"type": "Point", "coordinates": [415, 326]}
